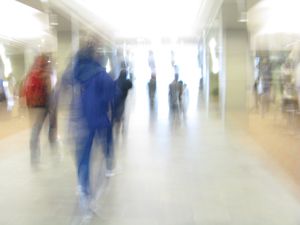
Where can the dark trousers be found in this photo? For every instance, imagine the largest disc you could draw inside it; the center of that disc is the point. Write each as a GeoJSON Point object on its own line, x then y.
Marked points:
{"type": "Point", "coordinates": [39, 115]}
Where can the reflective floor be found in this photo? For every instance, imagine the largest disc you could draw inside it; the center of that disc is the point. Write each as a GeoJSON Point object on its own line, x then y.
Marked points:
{"type": "Point", "coordinates": [187, 172]}
{"type": "Point", "coordinates": [197, 172]}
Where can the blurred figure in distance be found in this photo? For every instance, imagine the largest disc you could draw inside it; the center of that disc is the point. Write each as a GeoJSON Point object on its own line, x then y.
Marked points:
{"type": "Point", "coordinates": [152, 90]}
{"type": "Point", "coordinates": [174, 99]}
{"type": "Point", "coordinates": [151, 62]}
{"type": "Point", "coordinates": [183, 99]}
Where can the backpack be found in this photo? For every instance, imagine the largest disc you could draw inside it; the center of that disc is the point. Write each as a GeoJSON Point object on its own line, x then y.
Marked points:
{"type": "Point", "coordinates": [36, 85]}
{"type": "Point", "coordinates": [35, 90]}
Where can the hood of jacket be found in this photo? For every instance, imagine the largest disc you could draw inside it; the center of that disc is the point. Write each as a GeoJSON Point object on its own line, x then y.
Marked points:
{"type": "Point", "coordinates": [85, 65]}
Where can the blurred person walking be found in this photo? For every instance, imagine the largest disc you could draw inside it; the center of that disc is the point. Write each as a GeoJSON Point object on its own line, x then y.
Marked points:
{"type": "Point", "coordinates": [174, 62]}
{"type": "Point", "coordinates": [118, 62]}
{"type": "Point", "coordinates": [174, 99]}
{"type": "Point", "coordinates": [130, 65]}
{"type": "Point", "coordinates": [183, 99]}
{"type": "Point", "coordinates": [265, 73]}
{"type": "Point", "coordinates": [123, 85]}
{"type": "Point", "coordinates": [152, 90]}
{"type": "Point", "coordinates": [38, 90]}
{"type": "Point", "coordinates": [93, 92]}
{"type": "Point", "coordinates": [151, 62]}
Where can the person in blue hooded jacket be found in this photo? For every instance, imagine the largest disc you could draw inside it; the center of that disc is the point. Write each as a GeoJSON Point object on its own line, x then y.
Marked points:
{"type": "Point", "coordinates": [93, 93]}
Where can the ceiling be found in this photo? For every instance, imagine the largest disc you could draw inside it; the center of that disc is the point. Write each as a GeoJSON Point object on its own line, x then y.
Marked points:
{"type": "Point", "coordinates": [136, 18]}
{"type": "Point", "coordinates": [148, 19]}
{"type": "Point", "coordinates": [230, 15]}
{"type": "Point", "coordinates": [274, 24]}
{"type": "Point", "coordinates": [63, 18]}
{"type": "Point", "coordinates": [232, 9]}
{"type": "Point", "coordinates": [119, 19]}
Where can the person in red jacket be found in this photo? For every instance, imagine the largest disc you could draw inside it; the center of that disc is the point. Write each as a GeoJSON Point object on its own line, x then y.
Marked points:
{"type": "Point", "coordinates": [39, 95]}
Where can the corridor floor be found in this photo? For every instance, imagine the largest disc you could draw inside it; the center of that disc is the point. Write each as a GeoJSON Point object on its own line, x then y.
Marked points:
{"type": "Point", "coordinates": [197, 173]}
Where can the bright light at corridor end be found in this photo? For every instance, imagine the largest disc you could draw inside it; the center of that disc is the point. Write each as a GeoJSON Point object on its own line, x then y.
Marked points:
{"type": "Point", "coordinates": [146, 18]}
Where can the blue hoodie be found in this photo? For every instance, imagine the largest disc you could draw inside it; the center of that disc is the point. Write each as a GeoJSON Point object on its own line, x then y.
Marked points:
{"type": "Point", "coordinates": [93, 92]}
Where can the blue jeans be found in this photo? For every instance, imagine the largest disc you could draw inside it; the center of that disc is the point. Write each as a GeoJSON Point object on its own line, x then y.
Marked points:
{"type": "Point", "coordinates": [84, 143]}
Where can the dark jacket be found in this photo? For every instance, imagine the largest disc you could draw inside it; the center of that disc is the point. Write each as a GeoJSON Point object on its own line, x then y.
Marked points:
{"type": "Point", "coordinates": [122, 87]}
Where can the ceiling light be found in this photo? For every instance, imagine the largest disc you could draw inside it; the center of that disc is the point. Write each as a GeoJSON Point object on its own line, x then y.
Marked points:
{"type": "Point", "coordinates": [243, 17]}
{"type": "Point", "coordinates": [53, 19]}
